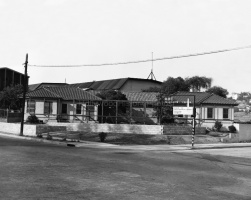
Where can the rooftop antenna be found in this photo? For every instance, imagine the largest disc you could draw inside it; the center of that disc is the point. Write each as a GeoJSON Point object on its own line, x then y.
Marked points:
{"type": "Point", "coordinates": [151, 74]}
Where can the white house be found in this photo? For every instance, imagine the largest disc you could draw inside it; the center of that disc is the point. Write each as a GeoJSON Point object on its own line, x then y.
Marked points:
{"type": "Point", "coordinates": [62, 104]}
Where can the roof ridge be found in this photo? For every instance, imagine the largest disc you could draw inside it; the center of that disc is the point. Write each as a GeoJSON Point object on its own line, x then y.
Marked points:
{"type": "Point", "coordinates": [201, 101]}
{"type": "Point", "coordinates": [51, 92]}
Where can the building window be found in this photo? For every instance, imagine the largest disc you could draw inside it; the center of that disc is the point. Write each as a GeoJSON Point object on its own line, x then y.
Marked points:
{"type": "Point", "coordinates": [47, 107]}
{"type": "Point", "coordinates": [31, 106]}
{"type": "Point", "coordinates": [78, 109]}
{"type": "Point", "coordinates": [64, 108]}
{"type": "Point", "coordinates": [225, 113]}
{"type": "Point", "coordinates": [209, 113]}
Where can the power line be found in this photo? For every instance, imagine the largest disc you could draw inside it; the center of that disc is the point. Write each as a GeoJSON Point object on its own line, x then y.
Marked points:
{"type": "Point", "coordinates": [148, 60]}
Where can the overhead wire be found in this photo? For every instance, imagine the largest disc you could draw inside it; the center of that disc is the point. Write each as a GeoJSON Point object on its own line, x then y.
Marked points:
{"type": "Point", "coordinates": [147, 60]}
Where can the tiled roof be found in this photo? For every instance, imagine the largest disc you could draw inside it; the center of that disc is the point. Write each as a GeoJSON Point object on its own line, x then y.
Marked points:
{"type": "Point", "coordinates": [44, 84]}
{"type": "Point", "coordinates": [113, 84]}
{"type": "Point", "coordinates": [41, 93]}
{"type": "Point", "coordinates": [65, 93]}
{"type": "Point", "coordinates": [141, 96]}
{"type": "Point", "coordinates": [199, 96]}
{"type": "Point", "coordinates": [215, 99]}
{"type": "Point", "coordinates": [203, 98]}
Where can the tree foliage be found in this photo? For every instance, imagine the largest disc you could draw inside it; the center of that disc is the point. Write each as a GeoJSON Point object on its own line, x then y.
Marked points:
{"type": "Point", "coordinates": [218, 91]}
{"type": "Point", "coordinates": [9, 97]}
{"type": "Point", "coordinates": [172, 85]}
{"type": "Point", "coordinates": [111, 95]}
{"type": "Point", "coordinates": [197, 82]}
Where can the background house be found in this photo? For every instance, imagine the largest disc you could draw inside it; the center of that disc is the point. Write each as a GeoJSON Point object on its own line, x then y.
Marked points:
{"type": "Point", "coordinates": [122, 84]}
{"type": "Point", "coordinates": [209, 107]}
{"type": "Point", "coordinates": [10, 77]}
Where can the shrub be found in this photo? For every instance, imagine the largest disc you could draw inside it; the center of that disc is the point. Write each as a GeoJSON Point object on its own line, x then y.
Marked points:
{"type": "Point", "coordinates": [217, 126]}
{"type": "Point", "coordinates": [102, 136]}
{"type": "Point", "coordinates": [232, 129]}
{"type": "Point", "coordinates": [32, 119]}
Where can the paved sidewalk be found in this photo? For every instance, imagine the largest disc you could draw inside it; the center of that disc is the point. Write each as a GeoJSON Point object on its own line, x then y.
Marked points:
{"type": "Point", "coordinates": [89, 144]}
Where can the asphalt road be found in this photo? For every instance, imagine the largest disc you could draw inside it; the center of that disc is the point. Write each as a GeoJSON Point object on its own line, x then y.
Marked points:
{"type": "Point", "coordinates": [32, 170]}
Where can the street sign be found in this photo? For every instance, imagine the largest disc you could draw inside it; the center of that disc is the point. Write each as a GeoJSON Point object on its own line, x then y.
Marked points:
{"type": "Point", "coordinates": [182, 110]}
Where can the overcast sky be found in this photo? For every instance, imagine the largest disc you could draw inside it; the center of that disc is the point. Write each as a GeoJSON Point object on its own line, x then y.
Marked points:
{"type": "Point", "coordinates": [74, 32]}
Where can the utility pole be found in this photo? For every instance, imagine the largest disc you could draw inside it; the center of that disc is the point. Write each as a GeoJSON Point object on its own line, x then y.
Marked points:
{"type": "Point", "coordinates": [24, 94]}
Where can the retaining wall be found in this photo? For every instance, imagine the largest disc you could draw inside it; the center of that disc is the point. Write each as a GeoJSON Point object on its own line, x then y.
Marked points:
{"type": "Point", "coordinates": [244, 131]}
{"type": "Point", "coordinates": [29, 129]}
{"type": "Point", "coordinates": [182, 130]}
{"type": "Point", "coordinates": [117, 128]}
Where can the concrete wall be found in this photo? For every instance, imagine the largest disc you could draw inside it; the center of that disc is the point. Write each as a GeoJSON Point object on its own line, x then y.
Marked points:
{"type": "Point", "coordinates": [113, 128]}
{"type": "Point", "coordinates": [244, 131]}
{"type": "Point", "coordinates": [29, 129]}
{"type": "Point", "coordinates": [182, 130]}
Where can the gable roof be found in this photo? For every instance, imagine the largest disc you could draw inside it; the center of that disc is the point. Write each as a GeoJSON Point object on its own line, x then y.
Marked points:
{"type": "Point", "coordinates": [112, 84]}
{"type": "Point", "coordinates": [65, 93]}
{"type": "Point", "coordinates": [12, 70]}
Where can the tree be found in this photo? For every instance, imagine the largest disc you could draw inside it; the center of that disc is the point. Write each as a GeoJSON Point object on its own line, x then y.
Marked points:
{"type": "Point", "coordinates": [172, 85]}
{"type": "Point", "coordinates": [198, 82]}
{"type": "Point", "coordinates": [218, 91]}
{"type": "Point", "coordinates": [9, 97]}
{"type": "Point", "coordinates": [111, 95]}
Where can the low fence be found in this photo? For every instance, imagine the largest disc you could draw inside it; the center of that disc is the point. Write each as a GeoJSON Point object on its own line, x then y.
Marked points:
{"type": "Point", "coordinates": [10, 116]}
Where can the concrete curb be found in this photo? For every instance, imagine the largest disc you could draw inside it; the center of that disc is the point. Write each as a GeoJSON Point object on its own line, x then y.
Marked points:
{"type": "Point", "coordinates": [33, 139]}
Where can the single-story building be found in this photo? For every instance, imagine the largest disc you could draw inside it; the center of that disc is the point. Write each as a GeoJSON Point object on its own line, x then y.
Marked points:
{"type": "Point", "coordinates": [62, 104]}
{"type": "Point", "coordinates": [209, 107]}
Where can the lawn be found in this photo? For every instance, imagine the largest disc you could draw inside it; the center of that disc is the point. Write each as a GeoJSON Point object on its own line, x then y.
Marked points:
{"type": "Point", "coordinates": [143, 139]}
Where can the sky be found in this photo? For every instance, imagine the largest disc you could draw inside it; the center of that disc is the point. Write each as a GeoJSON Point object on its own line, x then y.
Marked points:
{"type": "Point", "coordinates": [80, 32]}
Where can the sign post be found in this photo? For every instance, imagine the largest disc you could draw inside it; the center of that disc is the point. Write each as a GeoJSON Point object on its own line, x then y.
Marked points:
{"type": "Point", "coordinates": [187, 111]}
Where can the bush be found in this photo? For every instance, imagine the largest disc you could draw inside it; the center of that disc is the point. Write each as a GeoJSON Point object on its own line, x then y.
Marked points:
{"type": "Point", "coordinates": [32, 119]}
{"type": "Point", "coordinates": [102, 136]}
{"type": "Point", "coordinates": [232, 129]}
{"type": "Point", "coordinates": [217, 126]}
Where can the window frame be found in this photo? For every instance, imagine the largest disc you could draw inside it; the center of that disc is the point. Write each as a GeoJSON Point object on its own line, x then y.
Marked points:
{"type": "Point", "coordinates": [66, 108]}
{"type": "Point", "coordinates": [78, 109]}
{"type": "Point", "coordinates": [210, 117]}
{"type": "Point", "coordinates": [29, 108]}
{"type": "Point", "coordinates": [50, 103]}
{"type": "Point", "coordinates": [223, 114]}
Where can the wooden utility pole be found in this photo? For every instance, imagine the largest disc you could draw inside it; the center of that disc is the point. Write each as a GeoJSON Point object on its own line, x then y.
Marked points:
{"type": "Point", "coordinates": [24, 94]}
